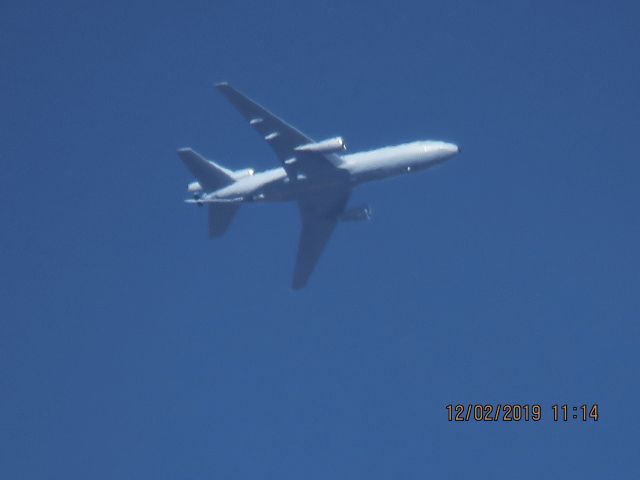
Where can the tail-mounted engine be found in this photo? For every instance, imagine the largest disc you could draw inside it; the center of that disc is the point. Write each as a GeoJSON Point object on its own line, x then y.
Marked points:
{"type": "Point", "coordinates": [246, 172]}
{"type": "Point", "coordinates": [356, 214]}
{"type": "Point", "coordinates": [195, 189]}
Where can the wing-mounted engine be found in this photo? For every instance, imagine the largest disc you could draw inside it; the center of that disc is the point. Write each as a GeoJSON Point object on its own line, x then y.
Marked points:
{"type": "Point", "coordinates": [331, 145]}
{"type": "Point", "coordinates": [356, 214]}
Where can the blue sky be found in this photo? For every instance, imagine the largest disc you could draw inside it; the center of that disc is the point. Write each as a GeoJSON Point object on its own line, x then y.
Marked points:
{"type": "Point", "coordinates": [131, 346]}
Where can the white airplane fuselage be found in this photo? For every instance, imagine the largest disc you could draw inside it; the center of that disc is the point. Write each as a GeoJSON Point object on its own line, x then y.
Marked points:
{"type": "Point", "coordinates": [276, 185]}
{"type": "Point", "coordinates": [318, 176]}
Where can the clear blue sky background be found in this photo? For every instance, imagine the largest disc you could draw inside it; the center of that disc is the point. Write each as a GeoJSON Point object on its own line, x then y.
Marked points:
{"type": "Point", "coordinates": [131, 346]}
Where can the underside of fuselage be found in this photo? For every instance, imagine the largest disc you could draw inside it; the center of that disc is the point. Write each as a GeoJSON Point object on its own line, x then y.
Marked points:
{"type": "Point", "coordinates": [278, 185]}
{"type": "Point", "coordinates": [286, 189]}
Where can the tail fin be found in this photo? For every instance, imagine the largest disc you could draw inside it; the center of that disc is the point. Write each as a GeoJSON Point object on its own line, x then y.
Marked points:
{"type": "Point", "coordinates": [220, 217]}
{"type": "Point", "coordinates": [211, 176]}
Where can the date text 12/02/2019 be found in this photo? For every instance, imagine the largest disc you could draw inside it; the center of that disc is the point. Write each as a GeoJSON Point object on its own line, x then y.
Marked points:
{"type": "Point", "coordinates": [520, 412]}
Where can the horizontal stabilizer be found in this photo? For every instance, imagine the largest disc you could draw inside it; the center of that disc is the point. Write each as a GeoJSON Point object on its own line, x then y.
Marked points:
{"type": "Point", "coordinates": [210, 176]}
{"type": "Point", "coordinates": [200, 201]}
{"type": "Point", "coordinates": [220, 217]}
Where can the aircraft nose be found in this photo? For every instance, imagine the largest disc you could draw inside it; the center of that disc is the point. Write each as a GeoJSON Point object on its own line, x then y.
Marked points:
{"type": "Point", "coordinates": [451, 148]}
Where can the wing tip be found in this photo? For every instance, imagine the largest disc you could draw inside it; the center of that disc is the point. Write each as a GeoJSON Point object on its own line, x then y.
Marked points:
{"type": "Point", "coordinates": [298, 284]}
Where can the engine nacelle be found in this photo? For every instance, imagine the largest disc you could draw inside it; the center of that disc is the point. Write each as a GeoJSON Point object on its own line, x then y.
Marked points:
{"type": "Point", "coordinates": [356, 214]}
{"type": "Point", "coordinates": [194, 187]}
{"type": "Point", "coordinates": [245, 172]}
{"type": "Point", "coordinates": [331, 145]}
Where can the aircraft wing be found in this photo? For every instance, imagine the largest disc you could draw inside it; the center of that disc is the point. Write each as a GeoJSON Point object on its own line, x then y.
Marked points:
{"type": "Point", "coordinates": [319, 214]}
{"type": "Point", "coordinates": [282, 137]}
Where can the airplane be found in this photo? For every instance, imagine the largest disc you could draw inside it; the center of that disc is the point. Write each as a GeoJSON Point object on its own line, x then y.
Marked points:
{"type": "Point", "coordinates": [319, 176]}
